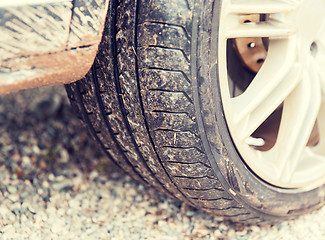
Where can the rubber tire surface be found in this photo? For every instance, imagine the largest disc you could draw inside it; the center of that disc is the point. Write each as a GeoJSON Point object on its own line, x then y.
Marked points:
{"type": "Point", "coordinates": [152, 101]}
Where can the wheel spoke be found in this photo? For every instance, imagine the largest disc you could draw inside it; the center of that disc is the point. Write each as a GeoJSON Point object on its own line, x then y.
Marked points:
{"type": "Point", "coordinates": [321, 130]}
{"type": "Point", "coordinates": [299, 115]}
{"type": "Point", "coordinates": [321, 34]}
{"type": "Point", "coordinates": [277, 78]}
{"type": "Point", "coordinates": [270, 29]}
{"type": "Point", "coordinates": [321, 71]}
{"type": "Point", "coordinates": [261, 6]}
{"type": "Point", "coordinates": [320, 57]}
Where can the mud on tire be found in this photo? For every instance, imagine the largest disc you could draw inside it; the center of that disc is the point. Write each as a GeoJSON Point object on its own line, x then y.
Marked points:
{"type": "Point", "coordinates": [151, 100]}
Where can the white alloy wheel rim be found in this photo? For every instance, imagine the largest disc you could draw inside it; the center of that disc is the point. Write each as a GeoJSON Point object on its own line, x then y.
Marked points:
{"type": "Point", "coordinates": [292, 76]}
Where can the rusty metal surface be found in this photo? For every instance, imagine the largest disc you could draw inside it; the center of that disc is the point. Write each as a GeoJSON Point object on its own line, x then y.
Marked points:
{"type": "Point", "coordinates": [49, 43]}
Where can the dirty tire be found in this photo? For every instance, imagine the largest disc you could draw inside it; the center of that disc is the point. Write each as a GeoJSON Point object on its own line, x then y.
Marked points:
{"type": "Point", "coordinates": [149, 101]}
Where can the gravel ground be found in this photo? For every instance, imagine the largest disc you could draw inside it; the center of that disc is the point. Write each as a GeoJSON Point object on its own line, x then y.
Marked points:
{"type": "Point", "coordinates": [56, 184]}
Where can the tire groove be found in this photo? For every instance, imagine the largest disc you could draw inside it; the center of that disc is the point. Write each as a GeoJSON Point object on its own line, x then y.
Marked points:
{"type": "Point", "coordinates": [192, 147]}
{"type": "Point", "coordinates": [169, 70]}
{"type": "Point", "coordinates": [84, 115]}
{"type": "Point", "coordinates": [170, 24]}
{"type": "Point", "coordinates": [121, 104]}
{"type": "Point", "coordinates": [135, 40]}
{"type": "Point", "coordinates": [237, 215]}
{"type": "Point", "coordinates": [222, 209]}
{"type": "Point", "coordinates": [186, 163]}
{"type": "Point", "coordinates": [215, 199]}
{"type": "Point", "coordinates": [170, 91]}
{"type": "Point", "coordinates": [171, 48]}
{"type": "Point", "coordinates": [108, 126]}
{"type": "Point", "coordinates": [203, 190]}
{"type": "Point", "coordinates": [187, 177]}
{"type": "Point", "coordinates": [174, 131]}
{"type": "Point", "coordinates": [171, 112]}
{"type": "Point", "coordinates": [188, 5]}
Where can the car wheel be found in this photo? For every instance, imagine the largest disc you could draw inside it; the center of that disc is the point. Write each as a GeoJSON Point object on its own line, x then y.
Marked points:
{"type": "Point", "coordinates": [217, 103]}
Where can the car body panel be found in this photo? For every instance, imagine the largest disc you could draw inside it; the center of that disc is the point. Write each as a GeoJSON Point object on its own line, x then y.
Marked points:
{"type": "Point", "coordinates": [48, 42]}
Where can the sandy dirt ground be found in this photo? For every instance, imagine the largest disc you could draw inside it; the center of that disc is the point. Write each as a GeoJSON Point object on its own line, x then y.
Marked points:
{"type": "Point", "coordinates": [56, 184]}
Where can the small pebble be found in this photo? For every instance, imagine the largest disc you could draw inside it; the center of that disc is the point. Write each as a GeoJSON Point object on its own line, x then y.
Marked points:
{"type": "Point", "coordinates": [200, 232]}
{"type": "Point", "coordinates": [12, 189]}
{"type": "Point", "coordinates": [13, 197]}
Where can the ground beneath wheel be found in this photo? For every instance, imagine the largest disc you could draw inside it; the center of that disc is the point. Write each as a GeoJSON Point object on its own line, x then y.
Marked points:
{"type": "Point", "coordinates": [56, 184]}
